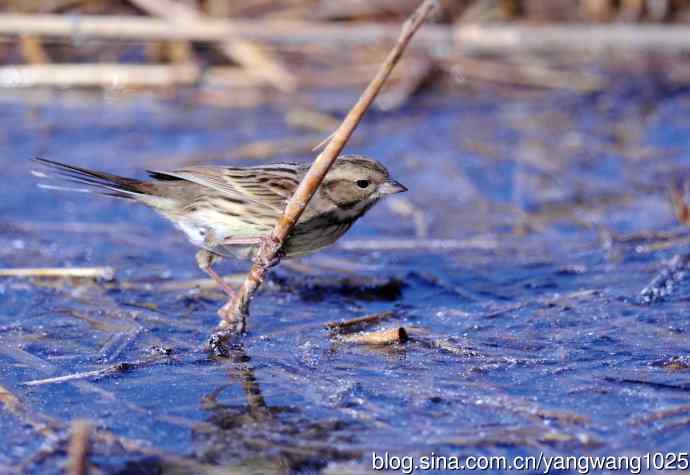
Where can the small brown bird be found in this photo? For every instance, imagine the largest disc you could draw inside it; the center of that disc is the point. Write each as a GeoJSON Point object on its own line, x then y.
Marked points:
{"type": "Point", "coordinates": [227, 211]}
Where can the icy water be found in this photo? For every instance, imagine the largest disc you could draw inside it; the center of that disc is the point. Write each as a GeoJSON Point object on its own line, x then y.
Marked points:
{"type": "Point", "coordinates": [536, 264]}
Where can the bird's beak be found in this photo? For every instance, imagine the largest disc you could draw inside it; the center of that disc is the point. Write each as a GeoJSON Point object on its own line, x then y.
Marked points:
{"type": "Point", "coordinates": [391, 187]}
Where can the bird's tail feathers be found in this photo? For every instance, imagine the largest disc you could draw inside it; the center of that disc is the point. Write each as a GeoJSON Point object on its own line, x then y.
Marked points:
{"type": "Point", "coordinates": [90, 180]}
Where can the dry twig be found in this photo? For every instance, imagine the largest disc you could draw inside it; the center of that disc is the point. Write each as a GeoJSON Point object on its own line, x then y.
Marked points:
{"type": "Point", "coordinates": [234, 313]}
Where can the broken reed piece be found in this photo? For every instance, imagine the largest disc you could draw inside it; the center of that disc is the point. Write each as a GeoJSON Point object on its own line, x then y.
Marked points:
{"type": "Point", "coordinates": [177, 285]}
{"type": "Point", "coordinates": [110, 75]}
{"type": "Point", "coordinates": [113, 369]}
{"type": "Point", "coordinates": [358, 323]}
{"type": "Point", "coordinates": [105, 273]}
{"type": "Point", "coordinates": [234, 313]}
{"type": "Point", "coordinates": [93, 374]}
{"type": "Point", "coordinates": [387, 336]}
{"type": "Point", "coordinates": [680, 206]}
{"type": "Point", "coordinates": [291, 33]}
{"type": "Point", "coordinates": [32, 50]}
{"type": "Point", "coordinates": [253, 57]}
{"type": "Point", "coordinates": [79, 446]}
{"type": "Point", "coordinates": [490, 38]}
{"type": "Point", "coordinates": [9, 401]}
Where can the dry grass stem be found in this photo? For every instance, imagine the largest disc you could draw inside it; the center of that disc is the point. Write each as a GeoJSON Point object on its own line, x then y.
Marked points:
{"type": "Point", "coordinates": [359, 322]}
{"type": "Point", "coordinates": [507, 39]}
{"type": "Point", "coordinates": [468, 38]}
{"type": "Point", "coordinates": [250, 55]}
{"type": "Point", "coordinates": [32, 50]}
{"type": "Point", "coordinates": [288, 32]}
{"type": "Point", "coordinates": [79, 446]}
{"type": "Point", "coordinates": [9, 401]}
{"type": "Point", "coordinates": [662, 245]}
{"type": "Point", "coordinates": [680, 206]}
{"type": "Point", "coordinates": [177, 285]}
{"type": "Point", "coordinates": [480, 242]}
{"type": "Point", "coordinates": [117, 368]}
{"type": "Point", "coordinates": [235, 313]}
{"type": "Point", "coordinates": [387, 336]}
{"type": "Point", "coordinates": [321, 145]}
{"type": "Point", "coordinates": [106, 273]}
{"type": "Point", "coordinates": [112, 75]}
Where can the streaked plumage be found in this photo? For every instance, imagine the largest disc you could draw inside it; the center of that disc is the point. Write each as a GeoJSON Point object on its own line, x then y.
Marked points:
{"type": "Point", "coordinates": [226, 211]}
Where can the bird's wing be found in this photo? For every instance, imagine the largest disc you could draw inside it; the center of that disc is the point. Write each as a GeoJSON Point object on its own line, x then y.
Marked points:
{"type": "Point", "coordinates": [266, 186]}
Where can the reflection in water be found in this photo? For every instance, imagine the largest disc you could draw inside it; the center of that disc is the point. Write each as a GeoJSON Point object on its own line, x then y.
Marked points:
{"type": "Point", "coordinates": [278, 437]}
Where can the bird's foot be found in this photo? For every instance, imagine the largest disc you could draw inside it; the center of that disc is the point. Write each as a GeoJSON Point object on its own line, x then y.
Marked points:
{"type": "Point", "coordinates": [228, 327]}
{"type": "Point", "coordinates": [271, 247]}
{"type": "Point", "coordinates": [218, 343]}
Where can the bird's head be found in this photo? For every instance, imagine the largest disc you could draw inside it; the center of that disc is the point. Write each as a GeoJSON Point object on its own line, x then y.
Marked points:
{"type": "Point", "coordinates": [355, 182]}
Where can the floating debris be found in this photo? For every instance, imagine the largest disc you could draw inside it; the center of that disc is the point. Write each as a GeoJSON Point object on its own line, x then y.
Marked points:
{"type": "Point", "coordinates": [386, 336]}
{"type": "Point", "coordinates": [667, 280]}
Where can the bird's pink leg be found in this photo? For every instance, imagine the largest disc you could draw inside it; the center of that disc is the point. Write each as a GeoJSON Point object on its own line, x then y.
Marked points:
{"type": "Point", "coordinates": [205, 261]}
{"type": "Point", "coordinates": [225, 311]}
{"type": "Point", "coordinates": [248, 241]}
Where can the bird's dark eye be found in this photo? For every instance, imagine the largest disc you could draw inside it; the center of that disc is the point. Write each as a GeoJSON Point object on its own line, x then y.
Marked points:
{"type": "Point", "coordinates": [362, 183]}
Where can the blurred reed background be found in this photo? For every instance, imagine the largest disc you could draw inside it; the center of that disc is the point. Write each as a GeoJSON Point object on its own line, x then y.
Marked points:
{"type": "Point", "coordinates": [265, 49]}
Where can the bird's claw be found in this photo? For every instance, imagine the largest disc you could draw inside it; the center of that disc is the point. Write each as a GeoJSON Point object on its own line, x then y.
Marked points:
{"type": "Point", "coordinates": [228, 327]}
{"type": "Point", "coordinates": [217, 344]}
{"type": "Point", "coordinates": [270, 246]}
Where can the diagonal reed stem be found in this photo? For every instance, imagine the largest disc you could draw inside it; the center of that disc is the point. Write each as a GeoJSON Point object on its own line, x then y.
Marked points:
{"type": "Point", "coordinates": [235, 312]}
